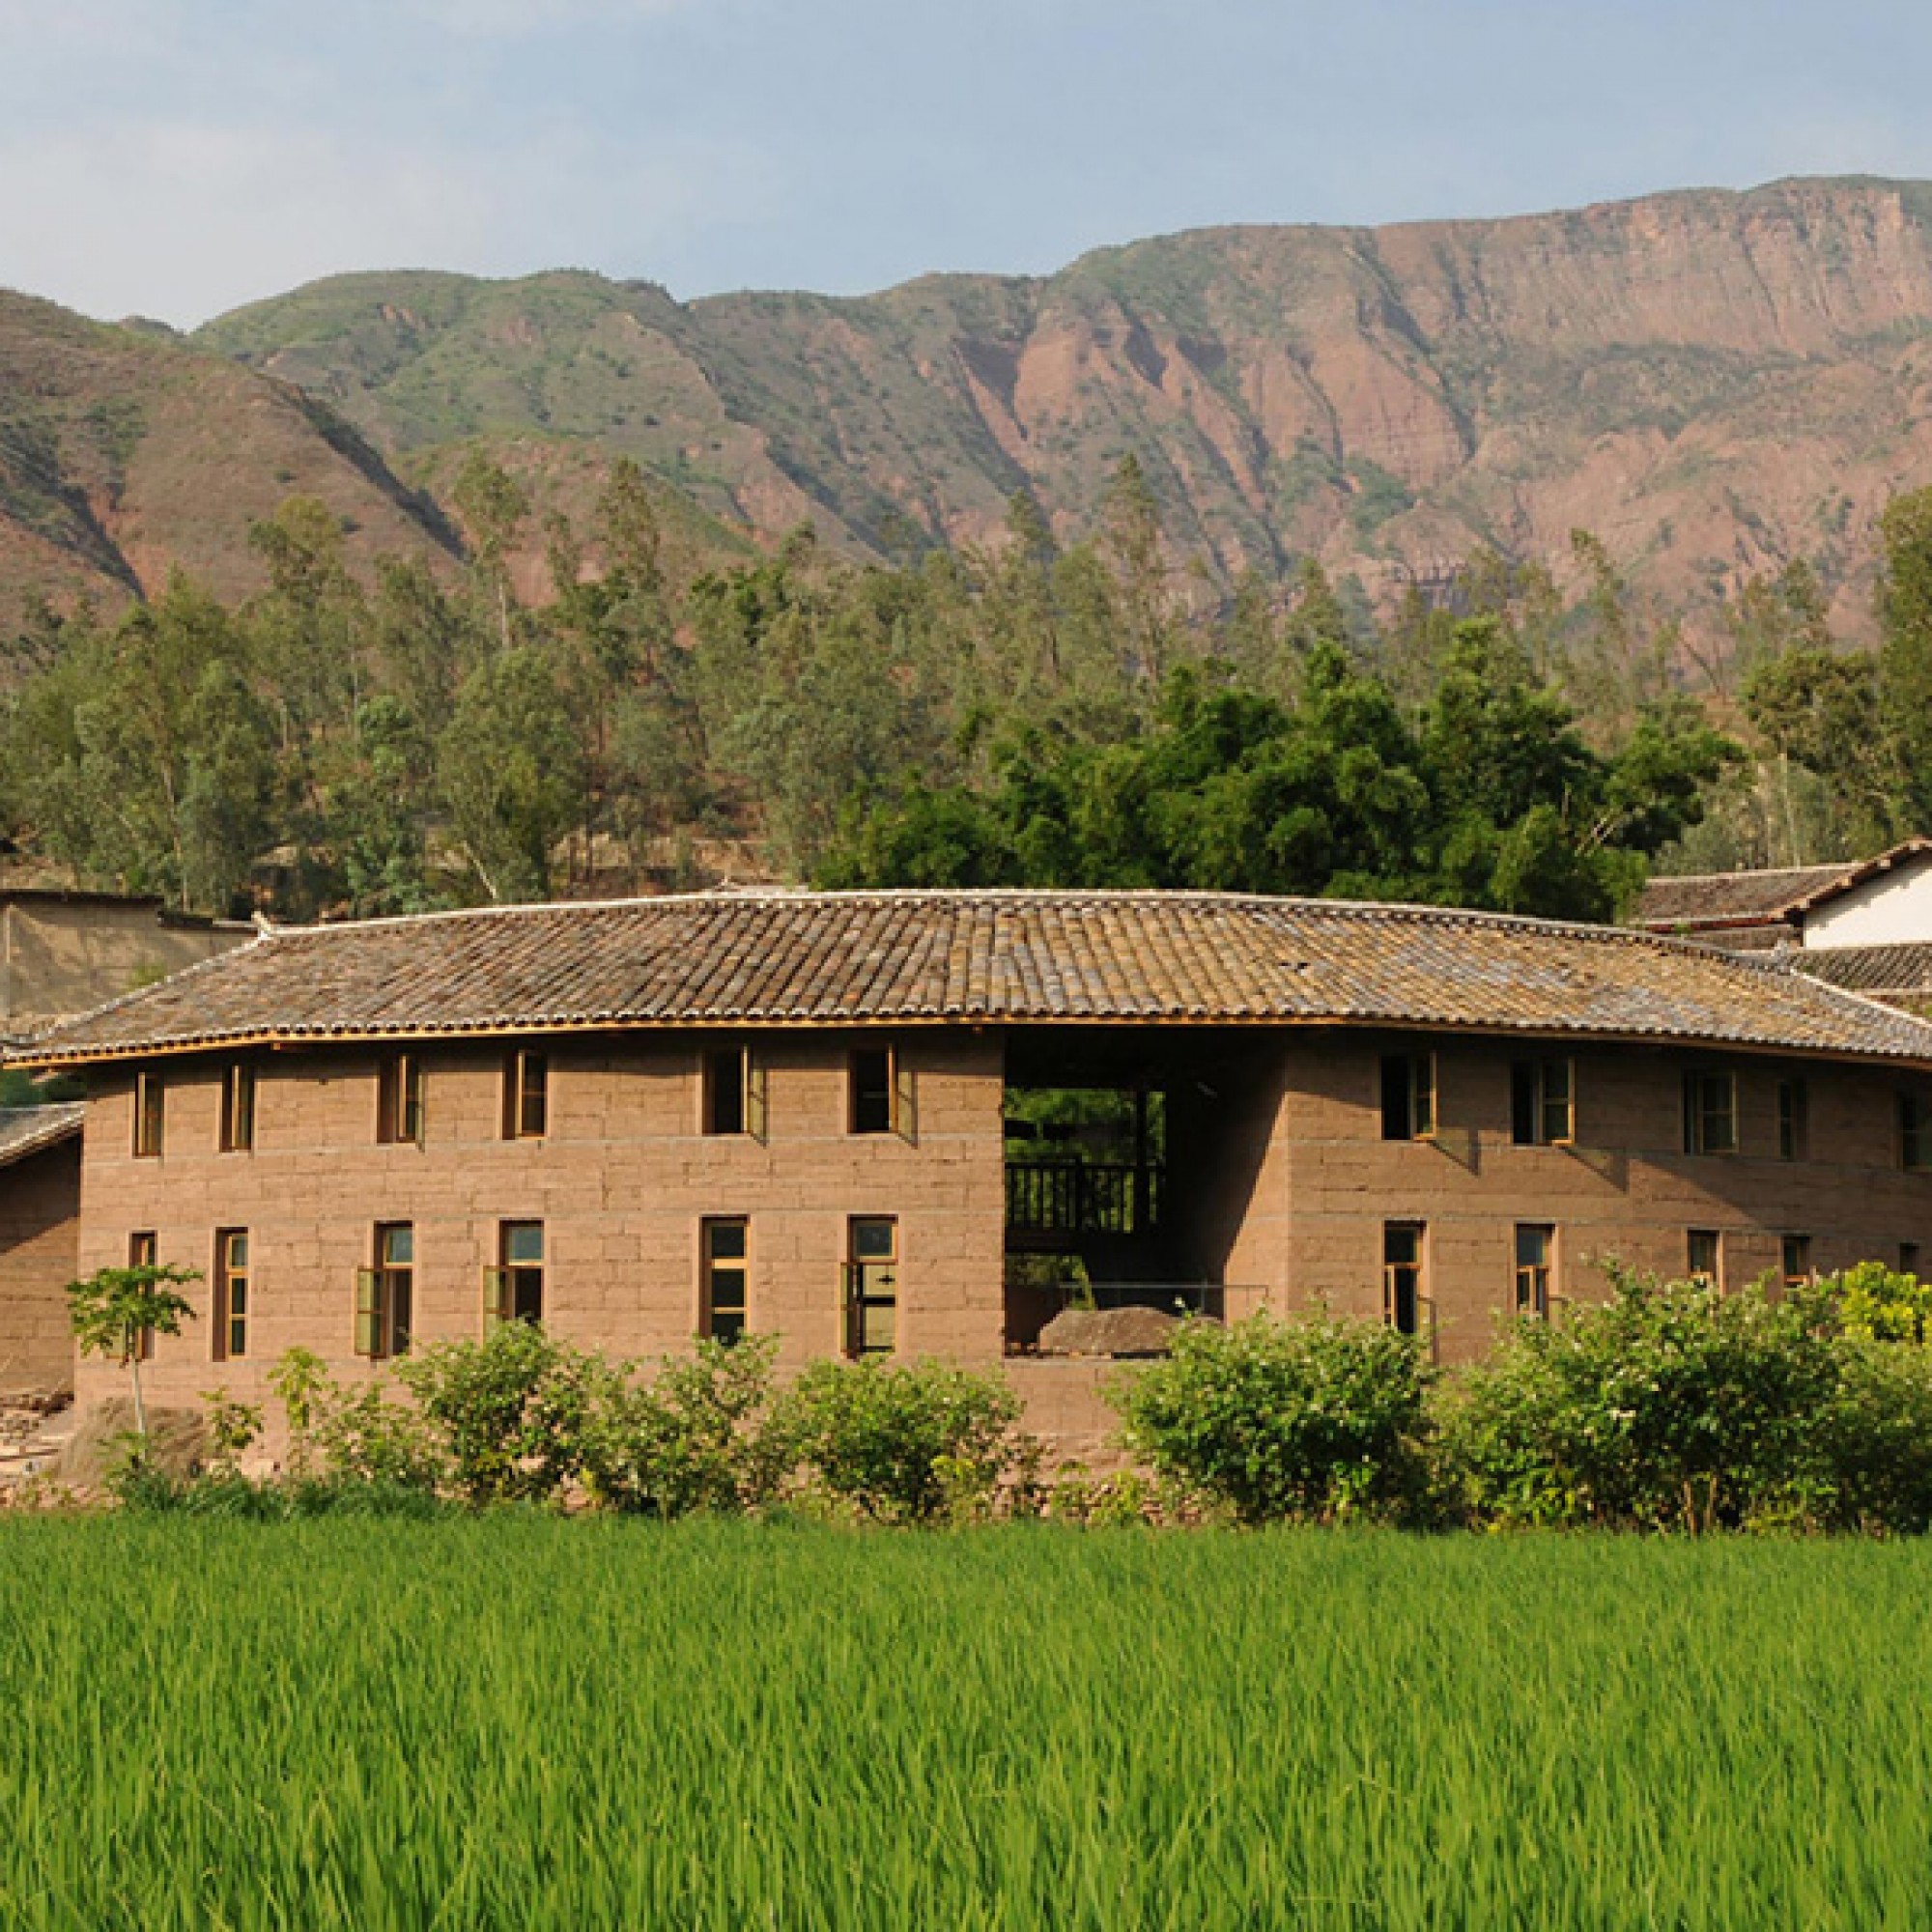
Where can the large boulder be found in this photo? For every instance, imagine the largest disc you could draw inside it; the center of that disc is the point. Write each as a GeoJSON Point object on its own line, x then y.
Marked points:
{"type": "Point", "coordinates": [1108, 1331]}
{"type": "Point", "coordinates": [176, 1442]}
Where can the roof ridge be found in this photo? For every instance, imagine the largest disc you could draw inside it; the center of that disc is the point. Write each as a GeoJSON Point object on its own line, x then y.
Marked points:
{"type": "Point", "coordinates": [1382, 909]}
{"type": "Point", "coordinates": [1752, 872]}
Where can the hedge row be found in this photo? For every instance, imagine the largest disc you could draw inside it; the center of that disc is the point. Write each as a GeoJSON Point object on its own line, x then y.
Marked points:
{"type": "Point", "coordinates": [1670, 1406]}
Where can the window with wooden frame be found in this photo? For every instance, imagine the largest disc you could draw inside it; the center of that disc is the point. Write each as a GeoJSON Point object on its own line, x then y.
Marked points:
{"type": "Point", "coordinates": [872, 1285]}
{"type": "Point", "coordinates": [1403, 1296]}
{"type": "Point", "coordinates": [1704, 1256]}
{"type": "Point", "coordinates": [1543, 1102]}
{"type": "Point", "coordinates": [232, 1301]}
{"type": "Point", "coordinates": [723, 1291]}
{"type": "Point", "coordinates": [144, 1252]}
{"type": "Point", "coordinates": [399, 1100]}
{"type": "Point", "coordinates": [1793, 1120]}
{"type": "Point", "coordinates": [734, 1092]}
{"type": "Point", "coordinates": [1535, 1262]}
{"type": "Point", "coordinates": [1408, 1096]}
{"type": "Point", "coordinates": [1709, 1111]}
{"type": "Point", "coordinates": [525, 1096]}
{"type": "Point", "coordinates": [1795, 1260]}
{"type": "Point", "coordinates": [151, 1110]}
{"type": "Point", "coordinates": [882, 1098]}
{"type": "Point", "coordinates": [1914, 1132]}
{"type": "Point", "coordinates": [513, 1290]}
{"type": "Point", "coordinates": [386, 1294]}
{"type": "Point", "coordinates": [237, 1107]}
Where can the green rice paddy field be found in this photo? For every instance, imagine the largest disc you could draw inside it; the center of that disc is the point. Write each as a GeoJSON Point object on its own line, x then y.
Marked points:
{"type": "Point", "coordinates": [529, 1722]}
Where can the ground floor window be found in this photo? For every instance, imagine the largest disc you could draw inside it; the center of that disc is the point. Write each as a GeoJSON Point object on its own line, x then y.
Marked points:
{"type": "Point", "coordinates": [725, 1281]}
{"type": "Point", "coordinates": [231, 1294]}
{"type": "Point", "coordinates": [1795, 1251]}
{"type": "Point", "coordinates": [515, 1286]}
{"type": "Point", "coordinates": [1704, 1256]}
{"type": "Point", "coordinates": [1535, 1252]}
{"type": "Point", "coordinates": [386, 1294]}
{"type": "Point", "coordinates": [1908, 1258]}
{"type": "Point", "coordinates": [144, 1252]}
{"type": "Point", "coordinates": [1402, 1276]}
{"type": "Point", "coordinates": [872, 1285]}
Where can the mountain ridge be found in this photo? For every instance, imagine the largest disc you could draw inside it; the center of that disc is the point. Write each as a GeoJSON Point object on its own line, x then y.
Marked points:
{"type": "Point", "coordinates": [1713, 380]}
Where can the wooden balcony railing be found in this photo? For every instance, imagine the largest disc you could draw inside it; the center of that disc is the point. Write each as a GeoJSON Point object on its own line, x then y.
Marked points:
{"type": "Point", "coordinates": [1046, 1197]}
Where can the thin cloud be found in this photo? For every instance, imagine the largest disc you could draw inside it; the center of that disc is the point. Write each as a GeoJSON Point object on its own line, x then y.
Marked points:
{"type": "Point", "coordinates": [184, 221]}
{"type": "Point", "coordinates": [517, 19]}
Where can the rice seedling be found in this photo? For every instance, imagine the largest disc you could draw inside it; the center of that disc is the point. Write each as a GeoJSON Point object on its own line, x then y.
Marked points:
{"type": "Point", "coordinates": [517, 1720]}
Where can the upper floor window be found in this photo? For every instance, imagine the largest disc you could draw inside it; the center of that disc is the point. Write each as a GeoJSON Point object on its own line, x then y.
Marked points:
{"type": "Point", "coordinates": [734, 1093]}
{"type": "Point", "coordinates": [1709, 1111]}
{"type": "Point", "coordinates": [514, 1288]}
{"type": "Point", "coordinates": [1542, 1104]}
{"type": "Point", "coordinates": [1408, 1096]}
{"type": "Point", "coordinates": [150, 1114]}
{"type": "Point", "coordinates": [1535, 1254]}
{"type": "Point", "coordinates": [881, 1093]}
{"type": "Point", "coordinates": [725, 1091]}
{"type": "Point", "coordinates": [1793, 1120]}
{"type": "Point", "coordinates": [1915, 1132]}
{"type": "Point", "coordinates": [237, 1107]}
{"type": "Point", "coordinates": [526, 1096]}
{"type": "Point", "coordinates": [231, 1294]}
{"type": "Point", "coordinates": [399, 1099]}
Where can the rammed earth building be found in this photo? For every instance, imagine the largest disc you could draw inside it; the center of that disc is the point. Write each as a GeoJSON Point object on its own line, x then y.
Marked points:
{"type": "Point", "coordinates": [914, 1122]}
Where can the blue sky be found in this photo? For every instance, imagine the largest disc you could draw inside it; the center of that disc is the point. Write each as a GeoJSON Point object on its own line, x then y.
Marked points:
{"type": "Point", "coordinates": [176, 157]}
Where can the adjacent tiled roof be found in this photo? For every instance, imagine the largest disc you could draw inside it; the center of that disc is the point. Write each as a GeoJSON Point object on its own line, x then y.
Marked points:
{"type": "Point", "coordinates": [1716, 899]}
{"type": "Point", "coordinates": [1901, 971]}
{"type": "Point", "coordinates": [1745, 898]}
{"type": "Point", "coordinates": [26, 1130]}
{"type": "Point", "coordinates": [776, 958]}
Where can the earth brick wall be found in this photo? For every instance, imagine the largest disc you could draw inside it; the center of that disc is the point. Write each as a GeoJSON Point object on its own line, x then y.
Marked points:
{"type": "Point", "coordinates": [40, 1228]}
{"type": "Point", "coordinates": [1284, 1190]}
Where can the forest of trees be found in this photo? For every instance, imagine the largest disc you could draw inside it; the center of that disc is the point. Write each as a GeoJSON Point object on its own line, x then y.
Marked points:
{"type": "Point", "coordinates": [1032, 714]}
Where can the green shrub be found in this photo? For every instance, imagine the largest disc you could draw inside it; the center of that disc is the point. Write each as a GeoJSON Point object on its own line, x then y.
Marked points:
{"type": "Point", "coordinates": [1670, 1406]}
{"type": "Point", "coordinates": [365, 1437]}
{"type": "Point", "coordinates": [918, 1443]}
{"type": "Point", "coordinates": [1878, 1303]}
{"type": "Point", "coordinates": [1876, 1439]}
{"type": "Point", "coordinates": [704, 1436]}
{"type": "Point", "coordinates": [509, 1412]}
{"type": "Point", "coordinates": [1312, 1419]}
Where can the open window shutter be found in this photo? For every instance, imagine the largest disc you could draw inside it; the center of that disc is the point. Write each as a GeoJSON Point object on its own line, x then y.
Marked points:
{"type": "Point", "coordinates": [755, 1095]}
{"type": "Point", "coordinates": [851, 1276]}
{"type": "Point", "coordinates": [905, 1101]}
{"type": "Point", "coordinates": [495, 1296]}
{"type": "Point", "coordinates": [369, 1311]}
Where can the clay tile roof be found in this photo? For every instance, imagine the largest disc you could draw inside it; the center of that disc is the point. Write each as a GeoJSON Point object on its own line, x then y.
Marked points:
{"type": "Point", "coordinates": [1745, 898]}
{"type": "Point", "coordinates": [1720, 898]}
{"type": "Point", "coordinates": [1899, 971]}
{"type": "Point", "coordinates": [26, 1130]}
{"type": "Point", "coordinates": [779, 958]}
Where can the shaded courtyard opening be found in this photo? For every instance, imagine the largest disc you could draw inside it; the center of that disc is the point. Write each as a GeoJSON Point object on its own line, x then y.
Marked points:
{"type": "Point", "coordinates": [1131, 1164]}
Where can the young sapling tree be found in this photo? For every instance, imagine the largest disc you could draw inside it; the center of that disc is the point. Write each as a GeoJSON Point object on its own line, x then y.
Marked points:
{"type": "Point", "coordinates": [116, 1309]}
